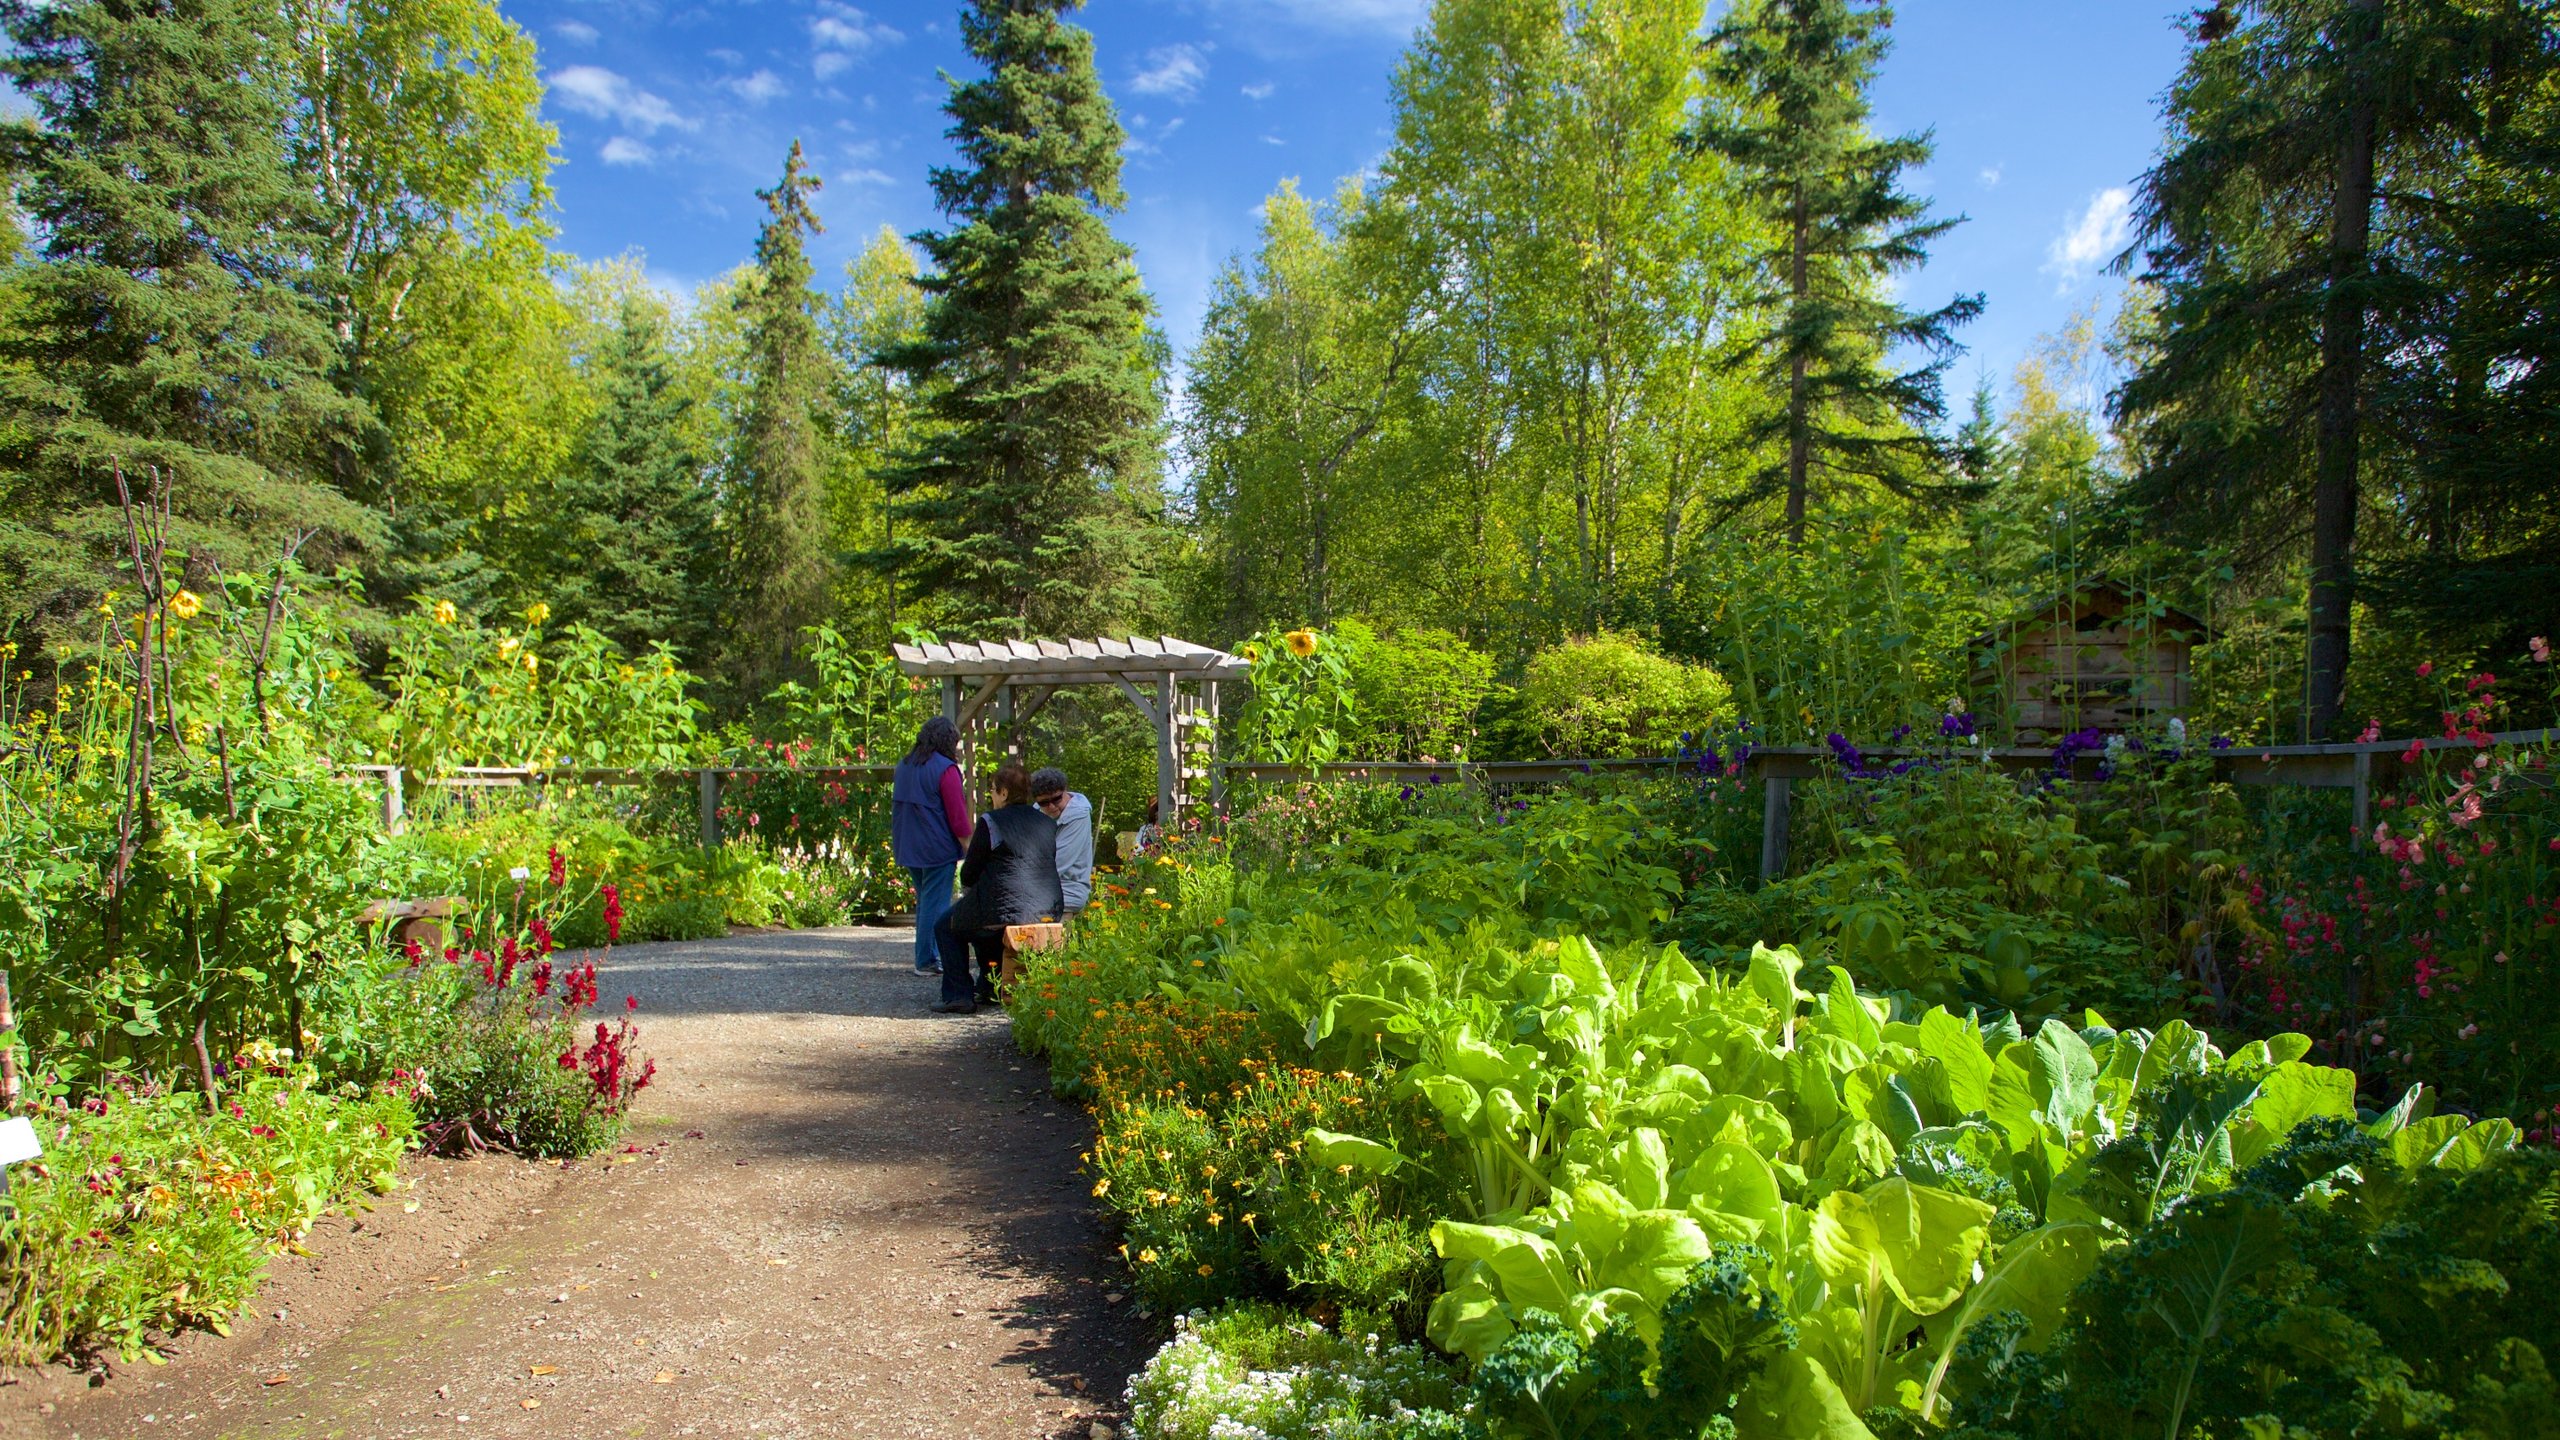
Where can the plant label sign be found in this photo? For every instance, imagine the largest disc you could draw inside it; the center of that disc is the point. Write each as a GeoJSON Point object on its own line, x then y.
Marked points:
{"type": "Point", "coordinates": [17, 1142]}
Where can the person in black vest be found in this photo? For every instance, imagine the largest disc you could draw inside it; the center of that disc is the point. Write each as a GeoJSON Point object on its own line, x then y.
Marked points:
{"type": "Point", "coordinates": [1011, 878]}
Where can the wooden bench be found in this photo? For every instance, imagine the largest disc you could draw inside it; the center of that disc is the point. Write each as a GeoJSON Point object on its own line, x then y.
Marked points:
{"type": "Point", "coordinates": [1019, 939]}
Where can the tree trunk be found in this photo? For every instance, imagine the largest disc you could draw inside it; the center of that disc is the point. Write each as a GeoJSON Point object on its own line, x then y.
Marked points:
{"type": "Point", "coordinates": [1799, 425]}
{"type": "Point", "coordinates": [2342, 326]}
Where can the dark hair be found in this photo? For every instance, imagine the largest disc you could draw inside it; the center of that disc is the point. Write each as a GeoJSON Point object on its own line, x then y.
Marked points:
{"type": "Point", "coordinates": [1048, 780]}
{"type": "Point", "coordinates": [1013, 783]}
{"type": "Point", "coordinates": [937, 736]}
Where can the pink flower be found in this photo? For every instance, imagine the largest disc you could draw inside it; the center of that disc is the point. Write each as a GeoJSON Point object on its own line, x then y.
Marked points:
{"type": "Point", "coordinates": [2426, 668]}
{"type": "Point", "coordinates": [2540, 645]}
{"type": "Point", "coordinates": [2372, 732]}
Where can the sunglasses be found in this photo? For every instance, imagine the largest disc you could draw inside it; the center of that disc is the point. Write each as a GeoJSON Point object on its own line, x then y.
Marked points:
{"type": "Point", "coordinates": [1052, 802]}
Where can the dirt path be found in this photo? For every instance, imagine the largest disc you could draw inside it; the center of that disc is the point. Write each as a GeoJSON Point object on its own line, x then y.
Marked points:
{"type": "Point", "coordinates": [840, 1216]}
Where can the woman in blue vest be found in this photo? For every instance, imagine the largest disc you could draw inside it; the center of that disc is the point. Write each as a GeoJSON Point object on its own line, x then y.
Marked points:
{"type": "Point", "coordinates": [1011, 872]}
{"type": "Point", "coordinates": [929, 827]}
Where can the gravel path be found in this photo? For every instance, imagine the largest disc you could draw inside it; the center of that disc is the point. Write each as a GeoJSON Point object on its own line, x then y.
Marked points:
{"type": "Point", "coordinates": [840, 1215]}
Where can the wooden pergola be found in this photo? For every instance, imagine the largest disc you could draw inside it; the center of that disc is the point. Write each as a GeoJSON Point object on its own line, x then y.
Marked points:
{"type": "Point", "coordinates": [1003, 683]}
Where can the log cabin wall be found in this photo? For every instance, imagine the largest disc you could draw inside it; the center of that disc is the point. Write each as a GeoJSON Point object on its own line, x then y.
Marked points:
{"type": "Point", "coordinates": [2093, 660]}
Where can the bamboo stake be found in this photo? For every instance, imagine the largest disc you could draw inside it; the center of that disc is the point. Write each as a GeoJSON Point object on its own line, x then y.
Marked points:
{"type": "Point", "coordinates": [8, 1050]}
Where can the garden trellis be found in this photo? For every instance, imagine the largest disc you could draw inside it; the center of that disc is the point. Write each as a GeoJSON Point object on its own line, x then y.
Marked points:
{"type": "Point", "coordinates": [1001, 684]}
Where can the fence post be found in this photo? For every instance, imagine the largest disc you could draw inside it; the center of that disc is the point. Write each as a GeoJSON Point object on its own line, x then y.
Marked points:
{"type": "Point", "coordinates": [708, 782]}
{"type": "Point", "coordinates": [1775, 793]}
{"type": "Point", "coordinates": [395, 816]}
{"type": "Point", "coordinates": [2364, 798]}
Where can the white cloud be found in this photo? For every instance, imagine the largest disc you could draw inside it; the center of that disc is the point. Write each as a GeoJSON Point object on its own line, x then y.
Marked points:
{"type": "Point", "coordinates": [2092, 240]}
{"type": "Point", "coordinates": [1273, 140]}
{"type": "Point", "coordinates": [576, 32]}
{"type": "Point", "coordinates": [594, 90]}
{"type": "Point", "coordinates": [867, 177]}
{"type": "Point", "coordinates": [758, 88]}
{"type": "Point", "coordinates": [1173, 71]}
{"type": "Point", "coordinates": [623, 150]}
{"type": "Point", "coordinates": [828, 64]}
{"type": "Point", "coordinates": [726, 56]}
{"type": "Point", "coordinates": [842, 27]}
{"type": "Point", "coordinates": [1261, 91]}
{"type": "Point", "coordinates": [1989, 176]}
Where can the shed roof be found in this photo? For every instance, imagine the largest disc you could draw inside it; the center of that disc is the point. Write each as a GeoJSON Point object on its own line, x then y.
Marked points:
{"type": "Point", "coordinates": [1097, 661]}
{"type": "Point", "coordinates": [2052, 609]}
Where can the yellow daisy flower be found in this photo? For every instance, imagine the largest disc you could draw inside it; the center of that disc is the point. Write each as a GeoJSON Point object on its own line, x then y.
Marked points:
{"type": "Point", "coordinates": [186, 605]}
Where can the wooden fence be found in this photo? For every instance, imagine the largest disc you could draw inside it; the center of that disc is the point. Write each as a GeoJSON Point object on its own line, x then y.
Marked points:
{"type": "Point", "coordinates": [708, 784]}
{"type": "Point", "coordinates": [2357, 767]}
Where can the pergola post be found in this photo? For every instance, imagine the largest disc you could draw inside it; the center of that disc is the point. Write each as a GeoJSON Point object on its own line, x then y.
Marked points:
{"type": "Point", "coordinates": [1168, 753]}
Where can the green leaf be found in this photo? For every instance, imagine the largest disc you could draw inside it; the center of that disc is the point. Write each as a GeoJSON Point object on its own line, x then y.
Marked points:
{"type": "Point", "coordinates": [2034, 1276]}
{"type": "Point", "coordinates": [1526, 1268]}
{"type": "Point", "coordinates": [1468, 1318]}
{"type": "Point", "coordinates": [2289, 1094]}
{"type": "Point", "coordinates": [1772, 977]}
{"type": "Point", "coordinates": [1332, 1150]}
{"type": "Point", "coordinates": [1796, 1399]}
{"type": "Point", "coordinates": [1965, 1065]}
{"type": "Point", "coordinates": [2219, 1244]}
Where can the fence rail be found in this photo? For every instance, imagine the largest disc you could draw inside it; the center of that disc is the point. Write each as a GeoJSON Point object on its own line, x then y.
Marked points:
{"type": "Point", "coordinates": [2357, 766]}
{"type": "Point", "coordinates": [709, 782]}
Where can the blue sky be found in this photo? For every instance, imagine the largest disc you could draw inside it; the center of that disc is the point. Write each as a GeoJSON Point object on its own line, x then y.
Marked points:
{"type": "Point", "coordinates": [673, 112]}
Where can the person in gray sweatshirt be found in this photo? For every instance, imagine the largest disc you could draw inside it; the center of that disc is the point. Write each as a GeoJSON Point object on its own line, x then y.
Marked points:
{"type": "Point", "coordinates": [1074, 814]}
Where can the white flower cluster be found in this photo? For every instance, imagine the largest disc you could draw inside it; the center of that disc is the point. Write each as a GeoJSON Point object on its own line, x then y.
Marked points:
{"type": "Point", "coordinates": [1252, 1373]}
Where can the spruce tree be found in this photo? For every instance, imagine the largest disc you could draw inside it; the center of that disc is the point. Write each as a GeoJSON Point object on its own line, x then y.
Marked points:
{"type": "Point", "coordinates": [780, 572]}
{"type": "Point", "coordinates": [2285, 229]}
{"type": "Point", "coordinates": [1797, 72]}
{"type": "Point", "coordinates": [1031, 499]}
{"type": "Point", "coordinates": [164, 330]}
{"type": "Point", "coordinates": [630, 547]}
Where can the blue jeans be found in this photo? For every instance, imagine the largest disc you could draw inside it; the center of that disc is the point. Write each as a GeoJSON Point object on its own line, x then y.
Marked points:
{"type": "Point", "coordinates": [933, 901]}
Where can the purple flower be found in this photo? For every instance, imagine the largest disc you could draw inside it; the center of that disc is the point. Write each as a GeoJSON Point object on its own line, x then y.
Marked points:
{"type": "Point", "coordinates": [1956, 726]}
{"type": "Point", "coordinates": [1847, 754]}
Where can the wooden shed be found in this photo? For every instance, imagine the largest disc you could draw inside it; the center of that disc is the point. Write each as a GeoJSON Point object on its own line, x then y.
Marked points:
{"type": "Point", "coordinates": [2103, 656]}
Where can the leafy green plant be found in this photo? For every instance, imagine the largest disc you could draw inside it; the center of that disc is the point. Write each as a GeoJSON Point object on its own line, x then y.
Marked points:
{"type": "Point", "coordinates": [1610, 696]}
{"type": "Point", "coordinates": [1718, 1332]}
{"type": "Point", "coordinates": [150, 1213]}
{"type": "Point", "coordinates": [2346, 1284]}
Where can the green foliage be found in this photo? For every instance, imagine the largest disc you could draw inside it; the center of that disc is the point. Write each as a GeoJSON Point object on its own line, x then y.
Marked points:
{"type": "Point", "coordinates": [2343, 1286]}
{"type": "Point", "coordinates": [1717, 1333]}
{"type": "Point", "coordinates": [2303, 286]}
{"type": "Point", "coordinates": [1030, 502]}
{"type": "Point", "coordinates": [1795, 129]}
{"type": "Point", "coordinates": [1255, 1372]}
{"type": "Point", "coordinates": [779, 579]}
{"type": "Point", "coordinates": [628, 545]}
{"type": "Point", "coordinates": [1303, 706]}
{"type": "Point", "coordinates": [164, 339]}
{"type": "Point", "coordinates": [466, 693]}
{"type": "Point", "coordinates": [183, 859]}
{"type": "Point", "coordinates": [148, 1214]}
{"type": "Point", "coordinates": [1608, 696]}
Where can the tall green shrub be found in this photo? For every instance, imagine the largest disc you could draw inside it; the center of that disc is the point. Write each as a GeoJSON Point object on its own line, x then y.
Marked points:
{"type": "Point", "coordinates": [1609, 696]}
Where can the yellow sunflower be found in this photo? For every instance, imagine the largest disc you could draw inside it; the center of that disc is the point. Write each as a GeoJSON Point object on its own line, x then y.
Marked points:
{"type": "Point", "coordinates": [186, 605]}
{"type": "Point", "coordinates": [536, 613]}
{"type": "Point", "coordinates": [445, 613]}
{"type": "Point", "coordinates": [1301, 643]}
